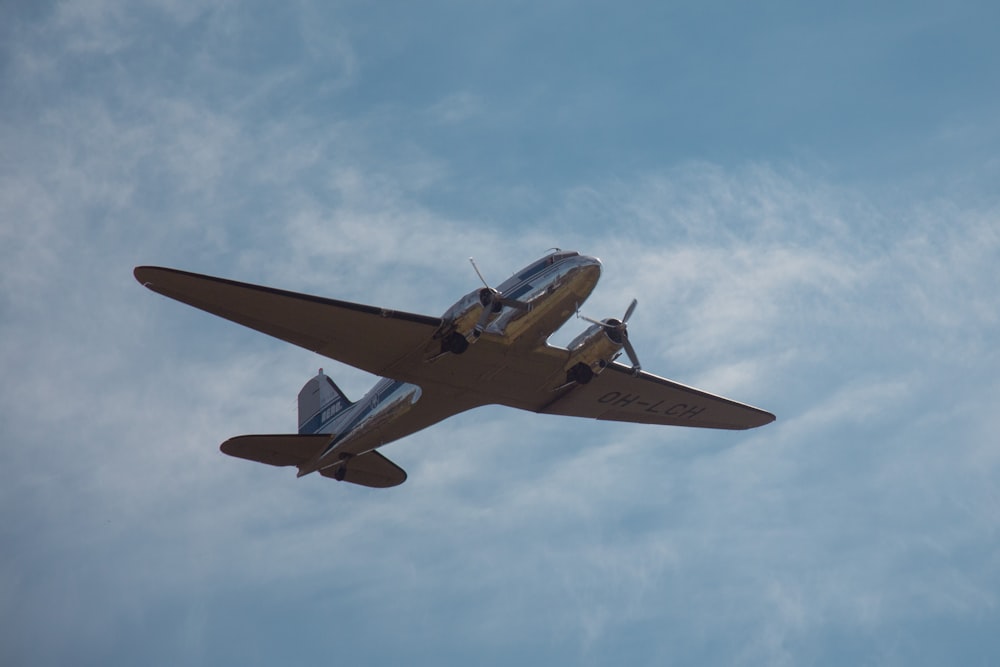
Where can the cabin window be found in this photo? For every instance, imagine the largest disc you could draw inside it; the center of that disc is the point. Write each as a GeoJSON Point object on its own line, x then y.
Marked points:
{"type": "Point", "coordinates": [534, 268]}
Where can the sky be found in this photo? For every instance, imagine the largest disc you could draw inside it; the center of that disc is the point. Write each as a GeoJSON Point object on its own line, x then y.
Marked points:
{"type": "Point", "coordinates": [802, 197]}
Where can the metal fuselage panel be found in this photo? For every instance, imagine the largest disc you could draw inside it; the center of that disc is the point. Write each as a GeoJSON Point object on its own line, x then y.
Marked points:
{"type": "Point", "coordinates": [554, 286]}
{"type": "Point", "coordinates": [555, 291]}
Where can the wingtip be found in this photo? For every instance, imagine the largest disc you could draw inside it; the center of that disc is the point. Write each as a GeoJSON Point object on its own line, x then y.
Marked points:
{"type": "Point", "coordinates": [147, 275]}
{"type": "Point", "coordinates": [767, 418]}
{"type": "Point", "coordinates": [141, 274]}
{"type": "Point", "coordinates": [763, 418]}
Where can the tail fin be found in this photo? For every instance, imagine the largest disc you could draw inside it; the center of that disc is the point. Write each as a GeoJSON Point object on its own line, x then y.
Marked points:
{"type": "Point", "coordinates": [320, 400]}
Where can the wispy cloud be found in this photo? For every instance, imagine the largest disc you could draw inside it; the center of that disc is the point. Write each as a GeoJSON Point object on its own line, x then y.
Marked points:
{"type": "Point", "coordinates": [867, 323]}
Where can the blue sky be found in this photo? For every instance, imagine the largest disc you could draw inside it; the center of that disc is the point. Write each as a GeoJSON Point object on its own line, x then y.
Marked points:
{"type": "Point", "coordinates": [803, 200]}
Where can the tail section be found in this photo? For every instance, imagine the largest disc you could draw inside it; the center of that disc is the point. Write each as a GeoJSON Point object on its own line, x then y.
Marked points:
{"type": "Point", "coordinates": [320, 400]}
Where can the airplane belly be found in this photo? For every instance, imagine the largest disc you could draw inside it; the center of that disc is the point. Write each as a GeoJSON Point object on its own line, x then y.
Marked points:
{"type": "Point", "coordinates": [405, 409]}
{"type": "Point", "coordinates": [377, 410]}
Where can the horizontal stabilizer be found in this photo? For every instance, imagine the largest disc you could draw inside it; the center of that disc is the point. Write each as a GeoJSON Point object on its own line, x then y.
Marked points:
{"type": "Point", "coordinates": [371, 469]}
{"type": "Point", "coordinates": [276, 450]}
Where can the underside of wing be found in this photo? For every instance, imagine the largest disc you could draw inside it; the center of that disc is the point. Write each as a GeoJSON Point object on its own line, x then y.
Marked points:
{"type": "Point", "coordinates": [366, 337]}
{"type": "Point", "coordinates": [618, 395]}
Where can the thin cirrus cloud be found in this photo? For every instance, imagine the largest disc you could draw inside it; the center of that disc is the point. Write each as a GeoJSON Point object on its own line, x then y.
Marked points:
{"type": "Point", "coordinates": [860, 523]}
{"type": "Point", "coordinates": [787, 310]}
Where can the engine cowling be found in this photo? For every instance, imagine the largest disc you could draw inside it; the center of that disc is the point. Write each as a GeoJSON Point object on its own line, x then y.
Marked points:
{"type": "Point", "coordinates": [460, 322]}
{"type": "Point", "coordinates": [466, 321]}
{"type": "Point", "coordinates": [591, 352]}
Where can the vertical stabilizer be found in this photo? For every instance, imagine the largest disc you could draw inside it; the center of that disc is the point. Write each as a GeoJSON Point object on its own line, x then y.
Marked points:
{"type": "Point", "coordinates": [320, 400]}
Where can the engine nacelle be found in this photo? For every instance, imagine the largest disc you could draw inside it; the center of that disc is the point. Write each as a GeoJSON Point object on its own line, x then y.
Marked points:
{"type": "Point", "coordinates": [462, 317]}
{"type": "Point", "coordinates": [591, 352]}
{"type": "Point", "coordinates": [459, 321]}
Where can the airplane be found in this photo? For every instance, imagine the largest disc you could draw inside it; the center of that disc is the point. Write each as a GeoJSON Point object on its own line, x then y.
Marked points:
{"type": "Point", "coordinates": [490, 347]}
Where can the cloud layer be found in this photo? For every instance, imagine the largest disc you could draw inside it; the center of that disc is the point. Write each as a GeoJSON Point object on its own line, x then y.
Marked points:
{"type": "Point", "coordinates": [859, 526]}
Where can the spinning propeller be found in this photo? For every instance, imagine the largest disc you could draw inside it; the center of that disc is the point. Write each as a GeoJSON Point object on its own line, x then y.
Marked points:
{"type": "Point", "coordinates": [617, 331]}
{"type": "Point", "coordinates": [493, 301]}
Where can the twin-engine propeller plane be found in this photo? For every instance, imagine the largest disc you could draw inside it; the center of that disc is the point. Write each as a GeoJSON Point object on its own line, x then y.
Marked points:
{"type": "Point", "coordinates": [488, 348]}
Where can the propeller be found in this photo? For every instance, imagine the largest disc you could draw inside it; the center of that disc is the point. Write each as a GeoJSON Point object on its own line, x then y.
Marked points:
{"type": "Point", "coordinates": [493, 301]}
{"type": "Point", "coordinates": [617, 331]}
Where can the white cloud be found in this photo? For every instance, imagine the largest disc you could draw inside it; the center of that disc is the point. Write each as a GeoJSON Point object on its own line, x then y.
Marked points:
{"type": "Point", "coordinates": [621, 518]}
{"type": "Point", "coordinates": [868, 327]}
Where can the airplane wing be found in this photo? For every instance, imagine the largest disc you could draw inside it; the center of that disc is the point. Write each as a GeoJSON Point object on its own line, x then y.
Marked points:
{"type": "Point", "coordinates": [369, 469]}
{"type": "Point", "coordinates": [618, 395]}
{"type": "Point", "coordinates": [396, 344]}
{"type": "Point", "coordinates": [335, 329]}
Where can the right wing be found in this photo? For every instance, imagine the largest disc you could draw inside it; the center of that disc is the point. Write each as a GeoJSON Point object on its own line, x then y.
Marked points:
{"type": "Point", "coordinates": [530, 381]}
{"type": "Point", "coordinates": [369, 469]}
{"type": "Point", "coordinates": [618, 395]}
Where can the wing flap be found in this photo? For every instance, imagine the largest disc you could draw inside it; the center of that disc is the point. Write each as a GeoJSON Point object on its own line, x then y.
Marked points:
{"type": "Point", "coordinates": [335, 329]}
{"type": "Point", "coordinates": [617, 395]}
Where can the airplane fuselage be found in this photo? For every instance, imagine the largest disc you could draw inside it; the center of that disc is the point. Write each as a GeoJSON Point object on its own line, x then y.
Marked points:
{"type": "Point", "coordinates": [553, 287]}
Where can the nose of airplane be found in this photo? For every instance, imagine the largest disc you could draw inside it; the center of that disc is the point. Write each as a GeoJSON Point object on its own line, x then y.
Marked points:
{"type": "Point", "coordinates": [590, 264]}
{"type": "Point", "coordinates": [586, 272]}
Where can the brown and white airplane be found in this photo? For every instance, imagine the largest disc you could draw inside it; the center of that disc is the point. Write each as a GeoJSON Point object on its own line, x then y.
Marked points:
{"type": "Point", "coordinates": [431, 370]}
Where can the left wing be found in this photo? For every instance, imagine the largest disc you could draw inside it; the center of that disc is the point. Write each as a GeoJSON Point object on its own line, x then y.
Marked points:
{"type": "Point", "coordinates": [618, 395]}
{"type": "Point", "coordinates": [372, 339]}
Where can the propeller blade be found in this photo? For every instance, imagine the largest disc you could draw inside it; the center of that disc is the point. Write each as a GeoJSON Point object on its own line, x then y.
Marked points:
{"type": "Point", "coordinates": [631, 309]}
{"type": "Point", "coordinates": [617, 331]}
{"type": "Point", "coordinates": [630, 351]}
{"type": "Point", "coordinates": [476, 268]}
{"type": "Point", "coordinates": [497, 297]}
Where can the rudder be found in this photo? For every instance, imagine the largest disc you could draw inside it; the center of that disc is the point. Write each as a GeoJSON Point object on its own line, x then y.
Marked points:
{"type": "Point", "coordinates": [320, 400]}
